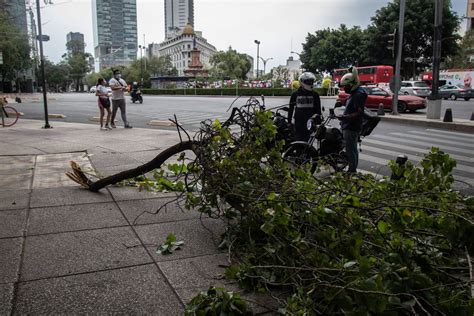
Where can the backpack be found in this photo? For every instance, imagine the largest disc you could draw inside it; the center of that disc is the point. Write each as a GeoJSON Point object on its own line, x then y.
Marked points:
{"type": "Point", "coordinates": [369, 122]}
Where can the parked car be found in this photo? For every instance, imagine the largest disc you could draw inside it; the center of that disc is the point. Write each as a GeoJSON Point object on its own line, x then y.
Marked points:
{"type": "Point", "coordinates": [453, 92]}
{"type": "Point", "coordinates": [418, 88]}
{"type": "Point", "coordinates": [93, 89]}
{"type": "Point", "coordinates": [383, 96]}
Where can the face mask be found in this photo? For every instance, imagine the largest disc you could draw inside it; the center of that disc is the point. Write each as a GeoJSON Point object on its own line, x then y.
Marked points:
{"type": "Point", "coordinates": [307, 86]}
{"type": "Point", "coordinates": [347, 89]}
{"type": "Point", "coordinates": [118, 76]}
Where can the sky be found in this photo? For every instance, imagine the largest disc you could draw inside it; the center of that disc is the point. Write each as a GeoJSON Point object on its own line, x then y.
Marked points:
{"type": "Point", "coordinates": [280, 25]}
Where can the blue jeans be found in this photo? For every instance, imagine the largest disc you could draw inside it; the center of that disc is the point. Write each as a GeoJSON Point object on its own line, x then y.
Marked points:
{"type": "Point", "coordinates": [351, 138]}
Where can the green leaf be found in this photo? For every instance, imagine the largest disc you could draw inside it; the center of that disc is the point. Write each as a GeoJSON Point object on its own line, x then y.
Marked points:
{"type": "Point", "coordinates": [349, 264]}
{"type": "Point", "coordinates": [267, 228]}
{"type": "Point", "coordinates": [383, 227]}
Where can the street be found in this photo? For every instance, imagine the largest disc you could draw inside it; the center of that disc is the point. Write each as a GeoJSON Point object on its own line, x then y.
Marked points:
{"type": "Point", "coordinates": [386, 142]}
{"type": "Point", "coordinates": [190, 110]}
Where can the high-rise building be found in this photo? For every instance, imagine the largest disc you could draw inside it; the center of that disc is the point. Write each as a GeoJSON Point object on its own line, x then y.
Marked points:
{"type": "Point", "coordinates": [470, 14]}
{"type": "Point", "coordinates": [115, 32]}
{"type": "Point", "coordinates": [178, 13]}
{"type": "Point", "coordinates": [75, 43]}
{"type": "Point", "coordinates": [16, 10]}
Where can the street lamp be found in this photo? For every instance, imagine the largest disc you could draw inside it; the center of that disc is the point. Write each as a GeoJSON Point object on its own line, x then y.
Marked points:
{"type": "Point", "coordinates": [258, 53]}
{"type": "Point", "coordinates": [43, 80]}
{"type": "Point", "coordinates": [299, 55]}
{"type": "Point", "coordinates": [265, 62]}
{"type": "Point", "coordinates": [141, 63]}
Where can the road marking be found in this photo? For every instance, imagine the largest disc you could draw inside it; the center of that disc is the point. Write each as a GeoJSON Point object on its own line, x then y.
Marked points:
{"type": "Point", "coordinates": [451, 133]}
{"type": "Point", "coordinates": [455, 138]}
{"type": "Point", "coordinates": [435, 140]}
{"type": "Point", "coordinates": [414, 149]}
{"type": "Point", "coordinates": [458, 167]}
{"type": "Point", "coordinates": [426, 145]}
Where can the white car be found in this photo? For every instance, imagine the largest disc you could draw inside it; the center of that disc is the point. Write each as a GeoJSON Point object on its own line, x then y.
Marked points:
{"type": "Point", "coordinates": [417, 88]}
{"type": "Point", "coordinates": [93, 89]}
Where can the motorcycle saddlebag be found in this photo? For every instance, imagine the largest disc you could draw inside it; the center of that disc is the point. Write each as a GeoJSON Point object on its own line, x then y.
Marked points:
{"type": "Point", "coordinates": [369, 122]}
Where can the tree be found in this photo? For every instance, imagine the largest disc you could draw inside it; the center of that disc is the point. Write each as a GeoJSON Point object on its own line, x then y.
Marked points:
{"type": "Point", "coordinates": [280, 74]}
{"type": "Point", "coordinates": [79, 65]}
{"type": "Point", "coordinates": [466, 50]}
{"type": "Point", "coordinates": [231, 64]}
{"type": "Point", "coordinates": [57, 75]}
{"type": "Point", "coordinates": [15, 49]}
{"type": "Point", "coordinates": [418, 33]}
{"type": "Point", "coordinates": [330, 49]}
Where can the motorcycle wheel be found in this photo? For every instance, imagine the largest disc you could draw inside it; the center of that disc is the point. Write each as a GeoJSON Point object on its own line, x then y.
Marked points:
{"type": "Point", "coordinates": [133, 101]}
{"type": "Point", "coordinates": [300, 154]}
{"type": "Point", "coordinates": [141, 100]}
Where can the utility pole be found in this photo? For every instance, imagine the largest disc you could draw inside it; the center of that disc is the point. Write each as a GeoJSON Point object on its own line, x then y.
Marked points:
{"type": "Point", "coordinates": [43, 80]}
{"type": "Point", "coordinates": [258, 53]}
{"type": "Point", "coordinates": [434, 103]}
{"type": "Point", "coordinates": [265, 63]}
{"type": "Point", "coordinates": [398, 62]}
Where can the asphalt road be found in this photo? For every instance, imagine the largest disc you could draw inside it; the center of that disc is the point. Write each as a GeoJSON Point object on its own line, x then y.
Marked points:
{"type": "Point", "coordinates": [190, 110]}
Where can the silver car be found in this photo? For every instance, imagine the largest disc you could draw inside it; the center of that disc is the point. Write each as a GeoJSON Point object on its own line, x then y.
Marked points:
{"type": "Point", "coordinates": [417, 88]}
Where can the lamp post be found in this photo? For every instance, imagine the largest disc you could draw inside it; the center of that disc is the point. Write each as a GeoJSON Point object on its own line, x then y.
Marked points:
{"type": "Point", "coordinates": [299, 55]}
{"type": "Point", "coordinates": [141, 63]}
{"type": "Point", "coordinates": [258, 53]}
{"type": "Point", "coordinates": [265, 62]}
{"type": "Point", "coordinates": [43, 80]}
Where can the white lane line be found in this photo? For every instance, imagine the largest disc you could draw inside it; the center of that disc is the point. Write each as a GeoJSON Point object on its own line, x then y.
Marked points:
{"type": "Point", "coordinates": [432, 139]}
{"type": "Point", "coordinates": [444, 137]}
{"type": "Point", "coordinates": [414, 149]}
{"type": "Point", "coordinates": [393, 154]}
{"type": "Point", "coordinates": [426, 144]}
{"type": "Point", "coordinates": [470, 136]}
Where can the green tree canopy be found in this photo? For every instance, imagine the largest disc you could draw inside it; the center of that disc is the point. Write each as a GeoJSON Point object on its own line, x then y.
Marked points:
{"type": "Point", "coordinates": [15, 49]}
{"type": "Point", "coordinates": [466, 50]}
{"type": "Point", "coordinates": [230, 64]}
{"type": "Point", "coordinates": [57, 75]}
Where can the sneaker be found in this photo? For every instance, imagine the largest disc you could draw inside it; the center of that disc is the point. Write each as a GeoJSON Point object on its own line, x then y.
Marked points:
{"type": "Point", "coordinates": [108, 127]}
{"type": "Point", "coordinates": [103, 128]}
{"type": "Point", "coordinates": [128, 126]}
{"type": "Point", "coordinates": [113, 125]}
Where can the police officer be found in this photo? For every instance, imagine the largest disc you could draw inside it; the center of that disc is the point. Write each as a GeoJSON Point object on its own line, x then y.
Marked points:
{"type": "Point", "coordinates": [351, 121]}
{"type": "Point", "coordinates": [304, 102]}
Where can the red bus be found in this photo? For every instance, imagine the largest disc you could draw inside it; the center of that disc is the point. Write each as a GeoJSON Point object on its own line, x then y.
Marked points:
{"type": "Point", "coordinates": [368, 74]}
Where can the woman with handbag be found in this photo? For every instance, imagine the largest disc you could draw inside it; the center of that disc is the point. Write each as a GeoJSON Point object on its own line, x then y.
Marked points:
{"type": "Point", "coordinates": [103, 102]}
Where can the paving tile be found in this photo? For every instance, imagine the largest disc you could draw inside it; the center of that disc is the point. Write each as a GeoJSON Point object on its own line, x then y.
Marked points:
{"type": "Point", "coordinates": [14, 199]}
{"type": "Point", "coordinates": [198, 240]}
{"type": "Point", "coordinates": [52, 179]}
{"type": "Point", "coordinates": [16, 181]}
{"type": "Point", "coordinates": [134, 211]}
{"type": "Point", "coordinates": [74, 217]}
{"type": "Point", "coordinates": [10, 252]}
{"type": "Point", "coordinates": [83, 251]}
{"type": "Point", "coordinates": [10, 165]}
{"type": "Point", "coordinates": [12, 223]}
{"type": "Point", "coordinates": [6, 296]}
{"type": "Point", "coordinates": [67, 196]}
{"type": "Point", "coordinates": [121, 193]}
{"type": "Point", "coordinates": [129, 291]}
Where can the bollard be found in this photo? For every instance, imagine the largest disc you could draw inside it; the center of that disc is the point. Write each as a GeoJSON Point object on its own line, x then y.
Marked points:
{"type": "Point", "coordinates": [18, 100]}
{"type": "Point", "coordinates": [400, 161]}
{"type": "Point", "coordinates": [381, 110]}
{"type": "Point", "coordinates": [448, 116]}
{"type": "Point", "coordinates": [472, 116]}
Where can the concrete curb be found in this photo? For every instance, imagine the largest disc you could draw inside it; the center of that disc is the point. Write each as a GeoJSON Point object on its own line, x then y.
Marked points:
{"type": "Point", "coordinates": [459, 126]}
{"type": "Point", "coordinates": [58, 116]}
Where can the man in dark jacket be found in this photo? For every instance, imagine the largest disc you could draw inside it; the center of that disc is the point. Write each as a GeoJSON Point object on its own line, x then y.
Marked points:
{"type": "Point", "coordinates": [351, 120]}
{"type": "Point", "coordinates": [304, 102]}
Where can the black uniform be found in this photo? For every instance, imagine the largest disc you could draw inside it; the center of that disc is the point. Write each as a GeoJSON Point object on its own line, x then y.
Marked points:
{"type": "Point", "coordinates": [304, 104]}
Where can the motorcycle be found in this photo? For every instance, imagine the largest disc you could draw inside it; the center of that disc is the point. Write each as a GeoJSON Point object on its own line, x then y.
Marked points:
{"type": "Point", "coordinates": [137, 96]}
{"type": "Point", "coordinates": [330, 144]}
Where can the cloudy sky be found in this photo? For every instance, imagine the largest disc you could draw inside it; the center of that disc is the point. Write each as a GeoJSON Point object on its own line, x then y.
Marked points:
{"type": "Point", "coordinates": [280, 25]}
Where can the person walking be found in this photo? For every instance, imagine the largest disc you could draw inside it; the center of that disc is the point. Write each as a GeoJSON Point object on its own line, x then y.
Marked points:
{"type": "Point", "coordinates": [118, 86]}
{"type": "Point", "coordinates": [103, 102]}
{"type": "Point", "coordinates": [351, 120]}
{"type": "Point", "coordinates": [304, 102]}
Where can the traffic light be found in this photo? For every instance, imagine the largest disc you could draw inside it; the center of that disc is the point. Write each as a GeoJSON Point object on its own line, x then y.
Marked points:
{"type": "Point", "coordinates": [392, 40]}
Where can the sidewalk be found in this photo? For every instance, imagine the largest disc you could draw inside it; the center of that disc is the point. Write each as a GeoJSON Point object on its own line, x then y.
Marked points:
{"type": "Point", "coordinates": [65, 250]}
{"type": "Point", "coordinates": [458, 125]}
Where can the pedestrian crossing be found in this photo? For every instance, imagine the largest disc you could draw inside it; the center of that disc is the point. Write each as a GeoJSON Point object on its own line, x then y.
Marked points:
{"type": "Point", "coordinates": [378, 149]}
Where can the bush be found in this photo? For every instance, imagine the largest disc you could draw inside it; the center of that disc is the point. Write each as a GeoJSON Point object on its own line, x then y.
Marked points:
{"type": "Point", "coordinates": [228, 91]}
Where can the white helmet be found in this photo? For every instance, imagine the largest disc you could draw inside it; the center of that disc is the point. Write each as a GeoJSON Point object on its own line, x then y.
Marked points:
{"type": "Point", "coordinates": [350, 79]}
{"type": "Point", "coordinates": [307, 80]}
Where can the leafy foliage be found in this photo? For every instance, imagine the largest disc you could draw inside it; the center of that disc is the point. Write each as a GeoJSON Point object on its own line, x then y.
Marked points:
{"type": "Point", "coordinates": [216, 301]}
{"type": "Point", "coordinates": [170, 246]}
{"type": "Point", "coordinates": [230, 64]}
{"type": "Point", "coordinates": [364, 246]}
